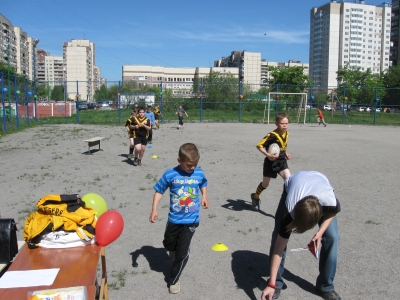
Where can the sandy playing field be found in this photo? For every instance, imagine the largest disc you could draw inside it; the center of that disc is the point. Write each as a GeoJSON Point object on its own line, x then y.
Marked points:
{"type": "Point", "coordinates": [362, 163]}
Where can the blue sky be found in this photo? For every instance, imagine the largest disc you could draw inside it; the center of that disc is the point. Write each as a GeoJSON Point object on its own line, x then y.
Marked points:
{"type": "Point", "coordinates": [170, 33]}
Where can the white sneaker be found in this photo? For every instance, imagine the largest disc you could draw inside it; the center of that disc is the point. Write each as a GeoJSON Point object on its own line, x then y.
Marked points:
{"type": "Point", "coordinates": [175, 288]}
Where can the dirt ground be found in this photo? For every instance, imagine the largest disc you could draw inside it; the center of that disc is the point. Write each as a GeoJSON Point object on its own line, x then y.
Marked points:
{"type": "Point", "coordinates": [361, 162]}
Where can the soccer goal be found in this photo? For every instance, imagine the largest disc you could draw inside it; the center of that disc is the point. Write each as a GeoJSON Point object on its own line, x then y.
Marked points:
{"type": "Point", "coordinates": [286, 102]}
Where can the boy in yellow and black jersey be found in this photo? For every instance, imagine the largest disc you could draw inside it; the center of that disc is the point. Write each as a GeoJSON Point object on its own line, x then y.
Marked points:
{"type": "Point", "coordinates": [140, 133]}
{"type": "Point", "coordinates": [129, 126]}
{"type": "Point", "coordinates": [157, 113]}
{"type": "Point", "coordinates": [274, 163]}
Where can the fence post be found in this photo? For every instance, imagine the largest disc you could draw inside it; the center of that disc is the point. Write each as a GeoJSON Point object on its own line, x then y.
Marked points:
{"type": "Point", "coordinates": [201, 102]}
{"type": "Point", "coordinates": [27, 100]}
{"type": "Point", "coordinates": [65, 104]}
{"type": "Point", "coordinates": [3, 90]}
{"type": "Point", "coordinates": [276, 100]}
{"type": "Point", "coordinates": [240, 101]}
{"type": "Point", "coordinates": [119, 101]}
{"type": "Point", "coordinates": [161, 102]}
{"type": "Point", "coordinates": [16, 92]}
{"type": "Point", "coordinates": [344, 97]}
{"type": "Point", "coordinates": [77, 104]}
{"type": "Point", "coordinates": [376, 102]}
{"type": "Point", "coordinates": [311, 101]}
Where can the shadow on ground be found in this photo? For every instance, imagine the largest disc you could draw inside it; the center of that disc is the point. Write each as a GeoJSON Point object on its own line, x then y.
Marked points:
{"type": "Point", "coordinates": [158, 259]}
{"type": "Point", "coordinates": [240, 205]}
{"type": "Point", "coordinates": [250, 268]}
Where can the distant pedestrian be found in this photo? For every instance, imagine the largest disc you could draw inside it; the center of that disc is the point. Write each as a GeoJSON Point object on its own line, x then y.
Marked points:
{"type": "Point", "coordinates": [321, 118]}
{"type": "Point", "coordinates": [129, 126]}
{"type": "Point", "coordinates": [142, 126]}
{"type": "Point", "coordinates": [180, 112]}
{"type": "Point", "coordinates": [157, 114]}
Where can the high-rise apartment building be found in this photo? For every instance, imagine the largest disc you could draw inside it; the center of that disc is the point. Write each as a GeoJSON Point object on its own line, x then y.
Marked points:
{"type": "Point", "coordinates": [348, 33]}
{"type": "Point", "coordinates": [79, 60]}
{"type": "Point", "coordinates": [395, 34]}
{"type": "Point", "coordinates": [17, 49]}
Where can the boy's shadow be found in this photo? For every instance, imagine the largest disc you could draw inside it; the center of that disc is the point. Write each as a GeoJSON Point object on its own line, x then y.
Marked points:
{"type": "Point", "coordinates": [240, 205]}
{"type": "Point", "coordinates": [158, 259]}
{"type": "Point", "coordinates": [250, 268]}
{"type": "Point", "coordinates": [127, 160]}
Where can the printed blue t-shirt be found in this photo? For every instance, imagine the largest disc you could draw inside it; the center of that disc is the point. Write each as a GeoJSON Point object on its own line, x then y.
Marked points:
{"type": "Point", "coordinates": [185, 194]}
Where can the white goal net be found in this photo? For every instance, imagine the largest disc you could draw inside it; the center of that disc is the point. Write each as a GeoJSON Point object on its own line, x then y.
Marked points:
{"type": "Point", "coordinates": [293, 103]}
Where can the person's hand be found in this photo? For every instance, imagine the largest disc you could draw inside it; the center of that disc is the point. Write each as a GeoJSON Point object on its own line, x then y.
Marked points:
{"type": "Point", "coordinates": [153, 216]}
{"type": "Point", "coordinates": [288, 156]}
{"type": "Point", "coordinates": [204, 202]}
{"type": "Point", "coordinates": [317, 237]}
{"type": "Point", "coordinates": [267, 293]}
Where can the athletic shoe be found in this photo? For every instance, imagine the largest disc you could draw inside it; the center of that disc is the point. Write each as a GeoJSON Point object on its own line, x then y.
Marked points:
{"type": "Point", "coordinates": [327, 295]}
{"type": "Point", "coordinates": [175, 288]}
{"type": "Point", "coordinates": [277, 293]}
{"type": "Point", "coordinates": [177, 127]}
{"type": "Point", "coordinates": [135, 161]}
{"type": "Point", "coordinates": [255, 202]}
{"type": "Point", "coordinates": [139, 162]}
{"type": "Point", "coordinates": [171, 255]}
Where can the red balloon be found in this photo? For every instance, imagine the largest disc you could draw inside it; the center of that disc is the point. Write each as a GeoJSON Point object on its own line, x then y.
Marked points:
{"type": "Point", "coordinates": [109, 227]}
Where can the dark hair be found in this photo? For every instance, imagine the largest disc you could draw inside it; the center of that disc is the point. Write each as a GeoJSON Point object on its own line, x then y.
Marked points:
{"type": "Point", "coordinates": [306, 214]}
{"type": "Point", "coordinates": [189, 151]}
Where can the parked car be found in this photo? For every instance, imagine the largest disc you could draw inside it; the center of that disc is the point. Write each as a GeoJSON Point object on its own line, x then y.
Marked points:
{"type": "Point", "coordinates": [368, 109]}
{"type": "Point", "coordinates": [93, 105]}
{"type": "Point", "coordinates": [361, 108]}
{"type": "Point", "coordinates": [327, 107]}
{"type": "Point", "coordinates": [377, 109]}
{"type": "Point", "coordinates": [81, 106]}
{"type": "Point", "coordinates": [105, 106]}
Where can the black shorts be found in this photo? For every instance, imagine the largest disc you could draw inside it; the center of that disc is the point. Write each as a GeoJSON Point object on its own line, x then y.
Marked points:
{"type": "Point", "coordinates": [156, 117]}
{"type": "Point", "coordinates": [140, 140]}
{"type": "Point", "coordinates": [272, 168]}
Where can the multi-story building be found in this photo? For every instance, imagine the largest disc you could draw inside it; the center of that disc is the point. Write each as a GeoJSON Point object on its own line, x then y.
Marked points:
{"type": "Point", "coordinates": [395, 34]}
{"type": "Point", "coordinates": [348, 33]}
{"type": "Point", "coordinates": [17, 48]}
{"type": "Point", "coordinates": [179, 80]}
{"type": "Point", "coordinates": [252, 69]}
{"type": "Point", "coordinates": [97, 77]}
{"type": "Point", "coordinates": [41, 65]}
{"type": "Point", "coordinates": [79, 60]}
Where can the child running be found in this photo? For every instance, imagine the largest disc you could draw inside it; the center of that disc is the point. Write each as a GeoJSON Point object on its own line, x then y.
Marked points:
{"type": "Point", "coordinates": [129, 126]}
{"type": "Point", "coordinates": [142, 127]}
{"type": "Point", "coordinates": [185, 182]}
{"type": "Point", "coordinates": [273, 163]}
{"type": "Point", "coordinates": [157, 114]}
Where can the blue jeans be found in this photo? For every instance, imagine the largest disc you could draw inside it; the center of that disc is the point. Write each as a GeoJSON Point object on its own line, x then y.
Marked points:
{"type": "Point", "coordinates": [328, 251]}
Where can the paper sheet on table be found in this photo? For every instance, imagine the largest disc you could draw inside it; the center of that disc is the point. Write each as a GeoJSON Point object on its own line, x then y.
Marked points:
{"type": "Point", "coordinates": [14, 279]}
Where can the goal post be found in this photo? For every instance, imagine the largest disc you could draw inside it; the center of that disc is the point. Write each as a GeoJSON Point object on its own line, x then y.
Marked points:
{"type": "Point", "coordinates": [299, 103]}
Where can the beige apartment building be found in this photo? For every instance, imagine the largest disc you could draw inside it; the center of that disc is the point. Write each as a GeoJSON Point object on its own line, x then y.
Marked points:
{"type": "Point", "coordinates": [348, 33]}
{"type": "Point", "coordinates": [80, 71]}
{"type": "Point", "coordinates": [17, 49]}
{"type": "Point", "coordinates": [252, 68]}
{"type": "Point", "coordinates": [179, 80]}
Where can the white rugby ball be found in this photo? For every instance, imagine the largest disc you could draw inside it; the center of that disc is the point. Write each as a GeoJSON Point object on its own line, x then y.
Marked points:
{"type": "Point", "coordinates": [273, 148]}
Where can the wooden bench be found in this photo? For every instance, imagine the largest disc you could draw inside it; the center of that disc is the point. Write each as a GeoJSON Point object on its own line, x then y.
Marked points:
{"type": "Point", "coordinates": [93, 142]}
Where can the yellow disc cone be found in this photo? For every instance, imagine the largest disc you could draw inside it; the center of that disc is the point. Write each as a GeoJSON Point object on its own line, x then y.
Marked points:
{"type": "Point", "coordinates": [219, 247]}
{"type": "Point", "coordinates": [154, 156]}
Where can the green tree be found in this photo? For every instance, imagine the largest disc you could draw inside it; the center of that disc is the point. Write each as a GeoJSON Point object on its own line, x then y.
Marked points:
{"type": "Point", "coordinates": [57, 93]}
{"type": "Point", "coordinates": [359, 87]}
{"type": "Point", "coordinates": [101, 93]}
{"type": "Point", "coordinates": [392, 82]}
{"type": "Point", "coordinates": [289, 79]}
{"type": "Point", "coordinates": [219, 87]}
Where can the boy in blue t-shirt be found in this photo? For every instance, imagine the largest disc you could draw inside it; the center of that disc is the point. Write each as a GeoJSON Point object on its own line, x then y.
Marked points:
{"type": "Point", "coordinates": [185, 182]}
